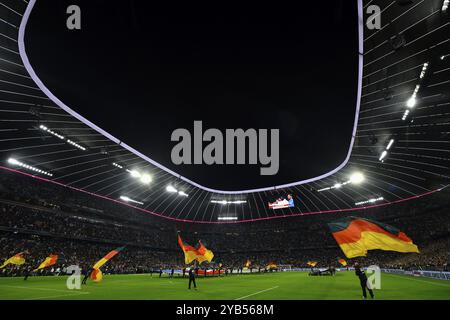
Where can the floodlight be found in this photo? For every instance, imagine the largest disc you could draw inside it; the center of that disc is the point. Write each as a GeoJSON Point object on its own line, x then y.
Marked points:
{"type": "Point", "coordinates": [357, 178]}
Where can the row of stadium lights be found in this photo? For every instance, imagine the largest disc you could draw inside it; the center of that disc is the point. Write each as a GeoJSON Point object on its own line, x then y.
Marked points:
{"type": "Point", "coordinates": [369, 201]}
{"type": "Point", "coordinates": [355, 178]}
{"type": "Point", "coordinates": [146, 179]}
{"type": "Point", "coordinates": [385, 152]}
{"type": "Point", "coordinates": [172, 189]}
{"type": "Point", "coordinates": [445, 5]}
{"type": "Point", "coordinates": [59, 136]}
{"type": "Point", "coordinates": [128, 199]}
{"type": "Point", "coordinates": [227, 218]}
{"type": "Point", "coordinates": [225, 202]}
{"type": "Point", "coordinates": [169, 188]}
{"type": "Point", "coordinates": [18, 163]}
{"type": "Point", "coordinates": [411, 103]}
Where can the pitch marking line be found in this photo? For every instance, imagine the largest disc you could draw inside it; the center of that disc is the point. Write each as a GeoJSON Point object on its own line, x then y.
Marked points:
{"type": "Point", "coordinates": [254, 294]}
{"type": "Point", "coordinates": [418, 280]}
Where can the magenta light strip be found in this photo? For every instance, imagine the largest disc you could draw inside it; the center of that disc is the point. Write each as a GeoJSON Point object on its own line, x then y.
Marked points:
{"type": "Point", "coordinates": [62, 105]}
{"type": "Point", "coordinates": [221, 222]}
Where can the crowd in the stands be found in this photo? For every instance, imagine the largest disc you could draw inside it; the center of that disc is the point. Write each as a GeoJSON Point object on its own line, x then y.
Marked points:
{"type": "Point", "coordinates": [52, 219]}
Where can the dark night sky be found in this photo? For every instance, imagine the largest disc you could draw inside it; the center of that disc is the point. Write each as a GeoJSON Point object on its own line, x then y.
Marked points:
{"type": "Point", "coordinates": [141, 69]}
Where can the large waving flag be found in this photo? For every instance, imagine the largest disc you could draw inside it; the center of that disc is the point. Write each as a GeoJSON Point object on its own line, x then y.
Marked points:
{"type": "Point", "coordinates": [190, 253]}
{"type": "Point", "coordinates": [96, 274]}
{"type": "Point", "coordinates": [106, 258]}
{"type": "Point", "coordinates": [205, 254]}
{"type": "Point", "coordinates": [356, 236]}
{"type": "Point", "coordinates": [17, 259]}
{"type": "Point", "coordinates": [50, 261]}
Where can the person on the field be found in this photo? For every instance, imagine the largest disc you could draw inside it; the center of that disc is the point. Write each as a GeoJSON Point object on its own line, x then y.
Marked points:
{"type": "Point", "coordinates": [87, 274]}
{"type": "Point", "coordinates": [27, 273]}
{"type": "Point", "coordinates": [363, 281]}
{"type": "Point", "coordinates": [160, 272]}
{"type": "Point", "coordinates": [172, 272]}
{"type": "Point", "coordinates": [192, 278]}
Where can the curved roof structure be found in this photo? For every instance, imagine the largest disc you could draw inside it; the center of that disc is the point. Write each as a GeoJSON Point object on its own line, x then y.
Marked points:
{"type": "Point", "coordinates": [400, 145]}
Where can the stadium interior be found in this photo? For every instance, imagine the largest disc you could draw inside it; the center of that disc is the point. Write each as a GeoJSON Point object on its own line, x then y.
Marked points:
{"type": "Point", "coordinates": [68, 186]}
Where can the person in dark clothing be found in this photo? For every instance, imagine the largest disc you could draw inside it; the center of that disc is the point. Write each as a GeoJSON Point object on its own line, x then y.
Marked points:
{"type": "Point", "coordinates": [192, 278]}
{"type": "Point", "coordinates": [172, 272]}
{"type": "Point", "coordinates": [363, 281]}
{"type": "Point", "coordinates": [87, 275]}
{"type": "Point", "coordinates": [27, 273]}
{"type": "Point", "coordinates": [184, 272]}
{"type": "Point", "coordinates": [160, 272]}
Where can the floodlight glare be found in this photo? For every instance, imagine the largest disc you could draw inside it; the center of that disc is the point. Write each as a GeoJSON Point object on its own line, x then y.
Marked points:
{"type": "Point", "coordinates": [16, 162]}
{"type": "Point", "coordinates": [445, 5]}
{"type": "Point", "coordinates": [146, 179]}
{"type": "Point", "coordinates": [135, 174]}
{"type": "Point", "coordinates": [391, 142]}
{"type": "Point", "coordinates": [357, 178]}
{"type": "Point", "coordinates": [337, 185]}
{"type": "Point", "coordinates": [13, 161]}
{"type": "Point", "coordinates": [127, 199]}
{"type": "Point", "coordinates": [227, 218]}
{"type": "Point", "coordinates": [171, 189]}
{"type": "Point", "coordinates": [411, 102]}
{"type": "Point", "coordinates": [373, 200]}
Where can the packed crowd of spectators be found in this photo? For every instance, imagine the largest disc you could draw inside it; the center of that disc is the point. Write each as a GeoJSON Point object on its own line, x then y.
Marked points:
{"type": "Point", "coordinates": [51, 219]}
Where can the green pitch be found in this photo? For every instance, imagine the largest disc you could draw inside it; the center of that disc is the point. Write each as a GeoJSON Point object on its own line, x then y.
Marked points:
{"type": "Point", "coordinates": [288, 285]}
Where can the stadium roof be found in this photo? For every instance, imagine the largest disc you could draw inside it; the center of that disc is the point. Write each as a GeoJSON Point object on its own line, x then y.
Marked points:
{"type": "Point", "coordinates": [401, 141]}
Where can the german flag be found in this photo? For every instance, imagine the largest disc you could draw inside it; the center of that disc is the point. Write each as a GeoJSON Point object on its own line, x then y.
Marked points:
{"type": "Point", "coordinates": [356, 236]}
{"type": "Point", "coordinates": [108, 257]}
{"type": "Point", "coordinates": [312, 263]}
{"type": "Point", "coordinates": [97, 275]}
{"type": "Point", "coordinates": [17, 259]}
{"type": "Point", "coordinates": [190, 253]}
{"type": "Point", "coordinates": [50, 261]}
{"type": "Point", "coordinates": [342, 262]}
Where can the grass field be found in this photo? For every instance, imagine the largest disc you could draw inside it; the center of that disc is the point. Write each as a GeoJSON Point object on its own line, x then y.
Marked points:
{"type": "Point", "coordinates": [289, 285]}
